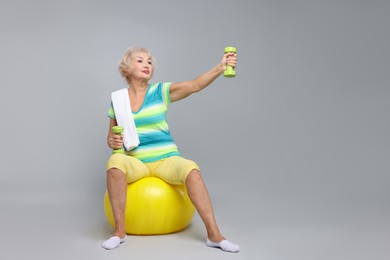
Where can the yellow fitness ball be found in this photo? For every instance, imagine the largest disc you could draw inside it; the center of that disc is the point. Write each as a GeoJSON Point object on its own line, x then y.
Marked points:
{"type": "Point", "coordinates": [154, 207]}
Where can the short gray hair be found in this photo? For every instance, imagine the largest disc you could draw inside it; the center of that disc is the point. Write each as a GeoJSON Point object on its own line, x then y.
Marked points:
{"type": "Point", "coordinates": [128, 56]}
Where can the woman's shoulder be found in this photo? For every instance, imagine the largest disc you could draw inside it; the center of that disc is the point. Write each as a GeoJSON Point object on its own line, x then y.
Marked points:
{"type": "Point", "coordinates": [119, 91]}
{"type": "Point", "coordinates": [160, 86]}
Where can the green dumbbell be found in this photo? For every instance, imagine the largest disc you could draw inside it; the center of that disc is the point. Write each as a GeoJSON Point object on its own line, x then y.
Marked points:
{"type": "Point", "coordinates": [117, 130]}
{"type": "Point", "coordinates": [230, 72]}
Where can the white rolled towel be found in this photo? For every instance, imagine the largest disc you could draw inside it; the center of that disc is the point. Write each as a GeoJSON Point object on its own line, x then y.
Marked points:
{"type": "Point", "coordinates": [124, 117]}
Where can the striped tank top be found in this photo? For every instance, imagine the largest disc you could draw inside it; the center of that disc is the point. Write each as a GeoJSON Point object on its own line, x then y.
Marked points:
{"type": "Point", "coordinates": [150, 120]}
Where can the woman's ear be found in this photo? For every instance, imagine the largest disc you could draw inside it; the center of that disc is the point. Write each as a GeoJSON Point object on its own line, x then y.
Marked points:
{"type": "Point", "coordinates": [127, 69]}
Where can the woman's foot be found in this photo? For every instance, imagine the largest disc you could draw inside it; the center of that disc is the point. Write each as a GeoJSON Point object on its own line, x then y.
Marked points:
{"type": "Point", "coordinates": [113, 242]}
{"type": "Point", "coordinates": [225, 245]}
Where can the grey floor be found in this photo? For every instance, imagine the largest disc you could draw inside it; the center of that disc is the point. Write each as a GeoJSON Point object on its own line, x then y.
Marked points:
{"type": "Point", "coordinates": [265, 227]}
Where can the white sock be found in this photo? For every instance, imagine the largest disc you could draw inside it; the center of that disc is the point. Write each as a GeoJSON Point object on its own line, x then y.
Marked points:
{"type": "Point", "coordinates": [113, 242]}
{"type": "Point", "coordinates": [225, 245]}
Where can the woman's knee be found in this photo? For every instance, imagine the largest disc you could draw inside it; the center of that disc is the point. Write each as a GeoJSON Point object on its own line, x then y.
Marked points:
{"type": "Point", "coordinates": [115, 173]}
{"type": "Point", "coordinates": [194, 174]}
{"type": "Point", "coordinates": [117, 161]}
{"type": "Point", "coordinates": [117, 157]}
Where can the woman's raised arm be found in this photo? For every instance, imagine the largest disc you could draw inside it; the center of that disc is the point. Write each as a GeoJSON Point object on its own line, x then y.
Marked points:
{"type": "Point", "coordinates": [183, 89]}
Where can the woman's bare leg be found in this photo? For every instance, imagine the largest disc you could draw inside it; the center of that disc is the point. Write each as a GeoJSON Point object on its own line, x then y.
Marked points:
{"type": "Point", "coordinates": [199, 196]}
{"type": "Point", "coordinates": [117, 192]}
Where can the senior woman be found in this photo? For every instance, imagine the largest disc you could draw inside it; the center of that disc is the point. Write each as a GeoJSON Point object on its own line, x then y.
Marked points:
{"type": "Point", "coordinates": [137, 67]}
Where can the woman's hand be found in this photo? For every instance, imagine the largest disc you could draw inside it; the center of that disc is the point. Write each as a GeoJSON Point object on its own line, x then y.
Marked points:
{"type": "Point", "coordinates": [180, 90]}
{"type": "Point", "coordinates": [230, 59]}
{"type": "Point", "coordinates": [115, 141]}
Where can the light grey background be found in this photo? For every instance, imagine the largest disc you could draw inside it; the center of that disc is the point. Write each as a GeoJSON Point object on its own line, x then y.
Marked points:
{"type": "Point", "coordinates": [295, 149]}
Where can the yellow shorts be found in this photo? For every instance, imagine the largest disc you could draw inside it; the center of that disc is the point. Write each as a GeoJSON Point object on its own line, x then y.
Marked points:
{"type": "Point", "coordinates": [173, 170]}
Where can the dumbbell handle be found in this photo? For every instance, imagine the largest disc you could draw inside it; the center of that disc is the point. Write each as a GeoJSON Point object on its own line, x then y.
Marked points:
{"type": "Point", "coordinates": [118, 131]}
{"type": "Point", "coordinates": [230, 72]}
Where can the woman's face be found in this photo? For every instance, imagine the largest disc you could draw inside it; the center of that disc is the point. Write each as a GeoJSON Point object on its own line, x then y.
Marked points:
{"type": "Point", "coordinates": [141, 66]}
